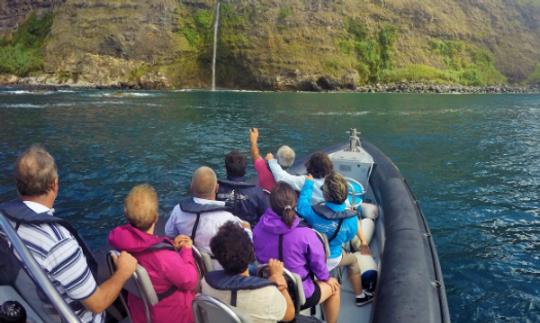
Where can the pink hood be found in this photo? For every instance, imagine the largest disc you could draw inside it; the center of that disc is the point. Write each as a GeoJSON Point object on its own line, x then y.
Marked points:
{"type": "Point", "coordinates": [130, 239]}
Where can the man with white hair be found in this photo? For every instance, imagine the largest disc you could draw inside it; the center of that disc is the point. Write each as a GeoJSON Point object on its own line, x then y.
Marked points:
{"type": "Point", "coordinates": [285, 157]}
{"type": "Point", "coordinates": [55, 244]}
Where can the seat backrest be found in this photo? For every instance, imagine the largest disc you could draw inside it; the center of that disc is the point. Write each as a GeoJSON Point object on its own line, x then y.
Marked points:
{"type": "Point", "coordinates": [139, 285]}
{"type": "Point", "coordinates": [207, 309]}
{"type": "Point", "coordinates": [203, 261]}
{"type": "Point", "coordinates": [324, 240]}
{"type": "Point", "coordinates": [200, 263]}
{"type": "Point", "coordinates": [294, 285]}
{"type": "Point", "coordinates": [297, 288]}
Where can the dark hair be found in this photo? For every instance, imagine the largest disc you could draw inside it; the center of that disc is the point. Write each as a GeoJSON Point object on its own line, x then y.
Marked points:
{"type": "Point", "coordinates": [235, 163]}
{"type": "Point", "coordinates": [319, 165]}
{"type": "Point", "coordinates": [335, 188]}
{"type": "Point", "coordinates": [35, 171]}
{"type": "Point", "coordinates": [283, 202]}
{"type": "Point", "coordinates": [232, 248]}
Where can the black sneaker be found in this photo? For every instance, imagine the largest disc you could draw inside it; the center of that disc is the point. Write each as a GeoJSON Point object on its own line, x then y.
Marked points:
{"type": "Point", "coordinates": [364, 299]}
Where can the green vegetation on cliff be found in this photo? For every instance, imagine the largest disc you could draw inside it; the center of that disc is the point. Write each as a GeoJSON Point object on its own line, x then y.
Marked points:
{"type": "Point", "coordinates": [534, 77]}
{"type": "Point", "coordinates": [463, 64]}
{"type": "Point", "coordinates": [374, 50]}
{"type": "Point", "coordinates": [22, 54]}
{"type": "Point", "coordinates": [279, 44]}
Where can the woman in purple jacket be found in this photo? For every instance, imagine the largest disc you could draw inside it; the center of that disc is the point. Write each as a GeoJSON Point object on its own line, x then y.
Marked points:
{"type": "Point", "coordinates": [279, 236]}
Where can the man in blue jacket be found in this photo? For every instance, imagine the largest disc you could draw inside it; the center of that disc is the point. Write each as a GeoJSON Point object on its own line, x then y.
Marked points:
{"type": "Point", "coordinates": [247, 201]}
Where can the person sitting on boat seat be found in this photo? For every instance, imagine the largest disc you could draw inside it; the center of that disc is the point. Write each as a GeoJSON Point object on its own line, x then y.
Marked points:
{"type": "Point", "coordinates": [262, 300]}
{"type": "Point", "coordinates": [247, 201]}
{"type": "Point", "coordinates": [339, 224]}
{"type": "Point", "coordinates": [280, 235]}
{"type": "Point", "coordinates": [55, 244]}
{"type": "Point", "coordinates": [319, 165]}
{"type": "Point", "coordinates": [201, 216]}
{"type": "Point", "coordinates": [285, 158]}
{"type": "Point", "coordinates": [172, 272]}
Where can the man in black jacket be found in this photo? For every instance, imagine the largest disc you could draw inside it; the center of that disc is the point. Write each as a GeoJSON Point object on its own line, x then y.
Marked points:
{"type": "Point", "coordinates": [247, 201]}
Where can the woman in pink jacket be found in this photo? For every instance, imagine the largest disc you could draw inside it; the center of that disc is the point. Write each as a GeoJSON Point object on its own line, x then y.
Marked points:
{"type": "Point", "coordinates": [173, 273]}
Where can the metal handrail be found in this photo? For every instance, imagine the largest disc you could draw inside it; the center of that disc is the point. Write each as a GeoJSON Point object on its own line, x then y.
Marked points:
{"type": "Point", "coordinates": [30, 265]}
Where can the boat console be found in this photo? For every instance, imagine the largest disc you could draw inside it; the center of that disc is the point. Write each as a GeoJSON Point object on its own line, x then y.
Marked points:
{"type": "Point", "coordinates": [353, 161]}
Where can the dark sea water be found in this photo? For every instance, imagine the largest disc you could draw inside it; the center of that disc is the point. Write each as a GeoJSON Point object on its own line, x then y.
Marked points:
{"type": "Point", "coordinates": [472, 160]}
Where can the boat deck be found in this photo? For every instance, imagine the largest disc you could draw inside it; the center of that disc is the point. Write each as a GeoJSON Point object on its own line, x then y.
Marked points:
{"type": "Point", "coordinates": [349, 312]}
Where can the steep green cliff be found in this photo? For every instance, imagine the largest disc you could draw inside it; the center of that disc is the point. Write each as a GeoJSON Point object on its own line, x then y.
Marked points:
{"type": "Point", "coordinates": [286, 44]}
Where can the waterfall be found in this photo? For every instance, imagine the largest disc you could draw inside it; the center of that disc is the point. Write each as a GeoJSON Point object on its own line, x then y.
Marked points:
{"type": "Point", "coordinates": [214, 53]}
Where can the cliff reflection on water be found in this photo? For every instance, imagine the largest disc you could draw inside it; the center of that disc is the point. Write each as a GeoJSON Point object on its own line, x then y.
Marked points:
{"type": "Point", "coordinates": [471, 160]}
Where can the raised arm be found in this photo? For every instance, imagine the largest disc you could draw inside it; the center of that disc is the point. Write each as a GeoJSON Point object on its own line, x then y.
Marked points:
{"type": "Point", "coordinates": [296, 182]}
{"type": "Point", "coordinates": [253, 138]}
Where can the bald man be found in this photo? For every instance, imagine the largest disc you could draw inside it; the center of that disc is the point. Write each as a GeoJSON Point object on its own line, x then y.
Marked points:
{"type": "Point", "coordinates": [200, 216]}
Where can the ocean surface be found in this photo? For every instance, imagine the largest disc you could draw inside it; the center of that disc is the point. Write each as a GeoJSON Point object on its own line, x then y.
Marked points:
{"type": "Point", "coordinates": [472, 160]}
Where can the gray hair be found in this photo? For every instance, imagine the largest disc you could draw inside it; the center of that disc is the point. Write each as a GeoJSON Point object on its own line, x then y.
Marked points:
{"type": "Point", "coordinates": [35, 171]}
{"type": "Point", "coordinates": [285, 156]}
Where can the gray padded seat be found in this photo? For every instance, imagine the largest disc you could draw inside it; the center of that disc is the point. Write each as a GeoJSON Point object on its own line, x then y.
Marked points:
{"type": "Point", "coordinates": [297, 292]}
{"type": "Point", "coordinates": [207, 309]}
{"type": "Point", "coordinates": [324, 241]}
{"type": "Point", "coordinates": [140, 285]}
{"type": "Point", "coordinates": [203, 261]}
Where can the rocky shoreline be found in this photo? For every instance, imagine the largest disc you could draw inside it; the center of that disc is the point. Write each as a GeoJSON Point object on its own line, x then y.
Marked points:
{"type": "Point", "coordinates": [30, 84]}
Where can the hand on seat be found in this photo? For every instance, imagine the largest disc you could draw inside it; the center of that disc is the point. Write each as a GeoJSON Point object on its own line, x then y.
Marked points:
{"type": "Point", "coordinates": [275, 269]}
{"type": "Point", "coordinates": [125, 264]}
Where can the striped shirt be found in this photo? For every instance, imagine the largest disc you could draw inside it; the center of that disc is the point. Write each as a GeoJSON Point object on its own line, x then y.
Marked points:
{"type": "Point", "coordinates": [62, 260]}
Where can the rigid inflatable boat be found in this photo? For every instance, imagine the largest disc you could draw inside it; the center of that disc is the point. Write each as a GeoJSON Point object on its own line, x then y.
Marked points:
{"type": "Point", "coordinates": [410, 286]}
{"type": "Point", "coordinates": [409, 281]}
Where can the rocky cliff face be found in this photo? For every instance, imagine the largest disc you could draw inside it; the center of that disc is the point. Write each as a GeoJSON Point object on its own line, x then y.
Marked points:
{"type": "Point", "coordinates": [14, 12]}
{"type": "Point", "coordinates": [285, 44]}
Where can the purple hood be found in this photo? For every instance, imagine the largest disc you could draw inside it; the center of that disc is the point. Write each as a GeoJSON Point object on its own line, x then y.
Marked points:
{"type": "Point", "coordinates": [303, 252]}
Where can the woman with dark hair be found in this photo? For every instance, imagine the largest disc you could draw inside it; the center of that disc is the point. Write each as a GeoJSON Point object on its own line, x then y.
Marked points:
{"type": "Point", "coordinates": [340, 225]}
{"type": "Point", "coordinates": [279, 235]}
{"type": "Point", "coordinates": [319, 165]}
{"type": "Point", "coordinates": [263, 300]}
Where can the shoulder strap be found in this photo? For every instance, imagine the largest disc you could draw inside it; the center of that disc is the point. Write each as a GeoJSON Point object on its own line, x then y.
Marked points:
{"type": "Point", "coordinates": [280, 248]}
{"type": "Point", "coordinates": [195, 226]}
{"type": "Point", "coordinates": [323, 210]}
{"type": "Point", "coordinates": [190, 206]}
{"type": "Point", "coordinates": [337, 230]}
{"type": "Point", "coordinates": [167, 293]}
{"type": "Point", "coordinates": [164, 245]}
